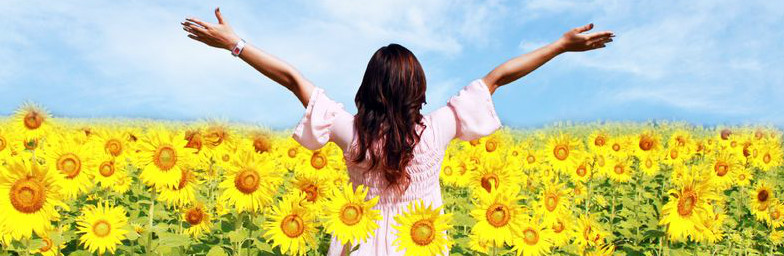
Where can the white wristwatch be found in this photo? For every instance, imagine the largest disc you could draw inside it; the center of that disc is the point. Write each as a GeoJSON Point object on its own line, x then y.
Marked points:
{"type": "Point", "coordinates": [238, 48]}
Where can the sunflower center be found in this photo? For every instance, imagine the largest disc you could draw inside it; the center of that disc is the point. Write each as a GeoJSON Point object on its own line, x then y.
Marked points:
{"type": "Point", "coordinates": [766, 159]}
{"type": "Point", "coordinates": [423, 232]}
{"type": "Point", "coordinates": [561, 152]}
{"type": "Point", "coordinates": [497, 215]}
{"type": "Point", "coordinates": [775, 214]}
{"type": "Point", "coordinates": [462, 169]}
{"type": "Point", "coordinates": [194, 216]}
{"type": "Point", "coordinates": [114, 147]}
{"type": "Point", "coordinates": [27, 195]}
{"type": "Point", "coordinates": [448, 171]}
{"type": "Point", "coordinates": [646, 143]}
{"type": "Point", "coordinates": [530, 236]}
{"type": "Point", "coordinates": [216, 136]}
{"type": "Point", "coordinates": [489, 181]}
{"type": "Point", "coordinates": [311, 192]}
{"type": "Point", "coordinates": [721, 168]}
{"type": "Point", "coordinates": [33, 120]}
{"type": "Point", "coordinates": [600, 161]}
{"type": "Point", "coordinates": [681, 141]}
{"type": "Point", "coordinates": [247, 181]}
{"type": "Point", "coordinates": [318, 160]}
{"type": "Point", "coordinates": [292, 153]}
{"type": "Point", "coordinates": [165, 158]}
{"type": "Point", "coordinates": [559, 227]}
{"type": "Point", "coordinates": [194, 140]}
{"type": "Point", "coordinates": [292, 226]}
{"type": "Point", "coordinates": [725, 134]}
{"type": "Point", "coordinates": [69, 164]}
{"type": "Point", "coordinates": [616, 147]}
{"type": "Point", "coordinates": [673, 154]}
{"type": "Point", "coordinates": [474, 142]}
{"type": "Point", "coordinates": [762, 196]}
{"type": "Point", "coordinates": [225, 158]}
{"type": "Point", "coordinates": [618, 169]}
{"type": "Point", "coordinates": [648, 163]}
{"type": "Point", "coordinates": [742, 177]}
{"type": "Point", "coordinates": [185, 174]}
{"type": "Point", "coordinates": [47, 245]}
{"type": "Point", "coordinates": [551, 201]}
{"type": "Point", "coordinates": [31, 144]}
{"type": "Point", "coordinates": [261, 145]}
{"type": "Point", "coordinates": [686, 203]}
{"type": "Point", "coordinates": [2, 143]}
{"type": "Point", "coordinates": [491, 145]}
{"type": "Point", "coordinates": [531, 159]}
{"type": "Point", "coordinates": [350, 214]}
{"type": "Point", "coordinates": [102, 228]}
{"type": "Point", "coordinates": [581, 171]}
{"type": "Point", "coordinates": [599, 141]}
{"type": "Point", "coordinates": [106, 168]}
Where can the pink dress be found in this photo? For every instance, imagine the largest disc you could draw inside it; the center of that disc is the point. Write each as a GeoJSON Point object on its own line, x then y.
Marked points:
{"type": "Point", "coordinates": [469, 115]}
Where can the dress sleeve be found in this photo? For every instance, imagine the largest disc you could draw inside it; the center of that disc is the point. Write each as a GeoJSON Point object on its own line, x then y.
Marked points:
{"type": "Point", "coordinates": [474, 112]}
{"type": "Point", "coordinates": [324, 121]}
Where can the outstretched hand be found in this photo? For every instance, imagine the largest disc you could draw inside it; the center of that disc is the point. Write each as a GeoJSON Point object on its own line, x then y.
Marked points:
{"type": "Point", "coordinates": [216, 35]}
{"type": "Point", "coordinates": [575, 41]}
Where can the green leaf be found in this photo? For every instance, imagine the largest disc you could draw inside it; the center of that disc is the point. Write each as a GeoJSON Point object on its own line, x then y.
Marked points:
{"type": "Point", "coordinates": [216, 251]}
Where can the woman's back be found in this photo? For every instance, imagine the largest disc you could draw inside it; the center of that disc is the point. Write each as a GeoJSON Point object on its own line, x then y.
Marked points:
{"type": "Point", "coordinates": [469, 115]}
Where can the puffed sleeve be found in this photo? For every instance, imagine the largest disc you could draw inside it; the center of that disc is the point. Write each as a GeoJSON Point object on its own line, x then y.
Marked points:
{"type": "Point", "coordinates": [323, 121]}
{"type": "Point", "coordinates": [474, 112]}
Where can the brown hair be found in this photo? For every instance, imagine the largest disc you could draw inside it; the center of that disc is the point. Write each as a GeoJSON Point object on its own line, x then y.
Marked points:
{"type": "Point", "coordinates": [388, 104]}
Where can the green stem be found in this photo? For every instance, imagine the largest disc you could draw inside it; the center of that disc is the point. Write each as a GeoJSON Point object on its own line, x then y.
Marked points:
{"type": "Point", "coordinates": [149, 228]}
{"type": "Point", "coordinates": [239, 228]}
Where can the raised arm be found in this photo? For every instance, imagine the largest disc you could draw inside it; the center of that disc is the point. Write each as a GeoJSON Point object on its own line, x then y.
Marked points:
{"type": "Point", "coordinates": [222, 36]}
{"type": "Point", "coordinates": [571, 41]}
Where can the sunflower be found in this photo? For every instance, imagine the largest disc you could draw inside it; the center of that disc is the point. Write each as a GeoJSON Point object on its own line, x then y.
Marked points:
{"type": "Point", "coordinates": [251, 182]}
{"type": "Point", "coordinates": [478, 242]}
{"type": "Point", "coordinates": [31, 121]}
{"type": "Point", "coordinates": [621, 146]}
{"type": "Point", "coordinates": [109, 172]}
{"type": "Point", "coordinates": [317, 188]}
{"type": "Point", "coordinates": [776, 215]}
{"type": "Point", "coordinates": [48, 248]}
{"type": "Point", "coordinates": [620, 170]}
{"type": "Point", "coordinates": [562, 150]}
{"type": "Point", "coordinates": [649, 165]}
{"type": "Point", "coordinates": [713, 231]}
{"type": "Point", "coordinates": [725, 168]}
{"type": "Point", "coordinates": [350, 217]}
{"type": "Point", "coordinates": [769, 156]}
{"type": "Point", "coordinates": [323, 160]}
{"type": "Point", "coordinates": [532, 159]}
{"type": "Point", "coordinates": [422, 230]}
{"type": "Point", "coordinates": [7, 139]}
{"type": "Point", "coordinates": [198, 220]}
{"type": "Point", "coordinates": [494, 175]}
{"type": "Point", "coordinates": [74, 162]}
{"type": "Point", "coordinates": [776, 237]}
{"type": "Point", "coordinates": [112, 141]}
{"type": "Point", "coordinates": [588, 233]}
{"type": "Point", "coordinates": [161, 157]}
{"type": "Point", "coordinates": [498, 216]}
{"type": "Point", "coordinates": [687, 206]}
{"type": "Point", "coordinates": [291, 225]}
{"type": "Point", "coordinates": [560, 230]}
{"type": "Point", "coordinates": [553, 203]}
{"type": "Point", "coordinates": [453, 172]}
{"type": "Point", "coordinates": [597, 141]}
{"type": "Point", "coordinates": [534, 239]}
{"type": "Point", "coordinates": [102, 227]}
{"type": "Point", "coordinates": [648, 144]}
{"type": "Point", "coordinates": [185, 191]}
{"type": "Point", "coordinates": [34, 192]}
{"type": "Point", "coordinates": [582, 171]}
{"type": "Point", "coordinates": [762, 198]}
{"type": "Point", "coordinates": [217, 137]}
{"type": "Point", "coordinates": [291, 153]}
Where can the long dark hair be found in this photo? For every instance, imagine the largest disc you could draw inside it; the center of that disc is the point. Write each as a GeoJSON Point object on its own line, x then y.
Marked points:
{"type": "Point", "coordinates": [388, 104]}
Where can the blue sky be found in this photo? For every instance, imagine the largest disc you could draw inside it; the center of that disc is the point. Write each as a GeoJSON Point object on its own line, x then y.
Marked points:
{"type": "Point", "coordinates": [705, 62]}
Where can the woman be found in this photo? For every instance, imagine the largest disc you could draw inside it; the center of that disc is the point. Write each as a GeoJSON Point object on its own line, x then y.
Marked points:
{"type": "Point", "coordinates": [389, 146]}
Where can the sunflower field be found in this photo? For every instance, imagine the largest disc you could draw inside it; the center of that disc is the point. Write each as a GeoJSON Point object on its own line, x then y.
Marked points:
{"type": "Point", "coordinates": [128, 187]}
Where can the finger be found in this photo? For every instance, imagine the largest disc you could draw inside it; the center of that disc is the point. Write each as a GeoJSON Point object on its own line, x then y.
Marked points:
{"type": "Point", "coordinates": [599, 40]}
{"type": "Point", "coordinates": [197, 38]}
{"type": "Point", "coordinates": [584, 28]}
{"type": "Point", "coordinates": [600, 34]}
{"type": "Point", "coordinates": [219, 16]}
{"type": "Point", "coordinates": [195, 29]}
{"type": "Point", "coordinates": [201, 23]}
